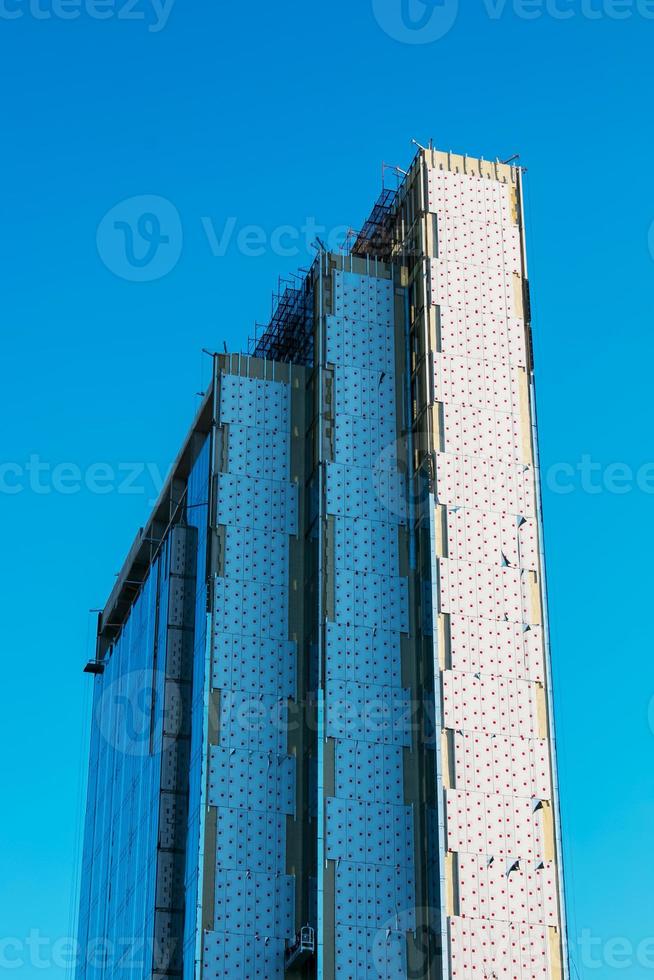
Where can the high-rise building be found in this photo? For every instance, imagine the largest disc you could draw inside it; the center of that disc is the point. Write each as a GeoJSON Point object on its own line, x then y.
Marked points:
{"type": "Point", "coordinates": [323, 735]}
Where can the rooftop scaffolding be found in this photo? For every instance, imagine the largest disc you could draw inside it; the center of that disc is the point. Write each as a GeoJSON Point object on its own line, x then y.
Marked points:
{"type": "Point", "coordinates": [288, 337]}
{"type": "Point", "coordinates": [376, 236]}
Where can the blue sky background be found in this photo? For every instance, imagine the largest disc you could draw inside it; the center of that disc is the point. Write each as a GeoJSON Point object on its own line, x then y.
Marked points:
{"type": "Point", "coordinates": [270, 114]}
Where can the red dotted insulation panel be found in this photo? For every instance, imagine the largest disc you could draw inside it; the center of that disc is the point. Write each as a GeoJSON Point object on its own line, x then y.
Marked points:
{"type": "Point", "coordinates": [491, 705]}
{"type": "Point", "coordinates": [494, 825]}
{"type": "Point", "coordinates": [491, 337]}
{"type": "Point", "coordinates": [507, 890]}
{"type": "Point", "coordinates": [484, 591]}
{"type": "Point", "coordinates": [484, 537]}
{"type": "Point", "coordinates": [509, 765]}
{"type": "Point", "coordinates": [499, 803]}
{"type": "Point", "coordinates": [485, 484]}
{"type": "Point", "coordinates": [486, 384]}
{"type": "Point", "coordinates": [497, 647]}
{"type": "Point", "coordinates": [482, 432]}
{"type": "Point", "coordinates": [499, 950]}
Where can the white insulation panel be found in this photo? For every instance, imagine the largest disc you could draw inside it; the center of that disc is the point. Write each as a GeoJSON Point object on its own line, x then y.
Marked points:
{"type": "Point", "coordinates": [507, 890]}
{"type": "Point", "coordinates": [509, 765]}
{"type": "Point", "coordinates": [499, 807]}
{"type": "Point", "coordinates": [515, 951]}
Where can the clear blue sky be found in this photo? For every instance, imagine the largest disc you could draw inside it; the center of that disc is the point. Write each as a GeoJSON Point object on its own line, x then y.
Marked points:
{"type": "Point", "coordinates": [270, 114]}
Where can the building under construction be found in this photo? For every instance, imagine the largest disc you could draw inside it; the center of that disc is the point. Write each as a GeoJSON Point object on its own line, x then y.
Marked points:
{"type": "Point", "coordinates": [322, 740]}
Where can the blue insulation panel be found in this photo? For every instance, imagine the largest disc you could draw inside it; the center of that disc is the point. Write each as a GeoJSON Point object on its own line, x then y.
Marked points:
{"type": "Point", "coordinates": [251, 776]}
{"type": "Point", "coordinates": [369, 829]}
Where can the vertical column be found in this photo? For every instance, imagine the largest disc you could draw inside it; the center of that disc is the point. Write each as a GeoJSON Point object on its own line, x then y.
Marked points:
{"type": "Point", "coordinates": [192, 648]}
{"type": "Point", "coordinates": [251, 773]}
{"type": "Point", "coordinates": [503, 901]}
{"type": "Point", "coordinates": [369, 893]}
{"type": "Point", "coordinates": [172, 740]}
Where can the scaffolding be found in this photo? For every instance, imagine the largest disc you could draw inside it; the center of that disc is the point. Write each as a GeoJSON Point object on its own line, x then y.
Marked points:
{"type": "Point", "coordinates": [376, 238]}
{"type": "Point", "coordinates": [288, 337]}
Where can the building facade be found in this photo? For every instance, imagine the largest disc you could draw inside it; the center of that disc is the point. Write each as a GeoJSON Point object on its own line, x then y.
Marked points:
{"type": "Point", "coordinates": [323, 737]}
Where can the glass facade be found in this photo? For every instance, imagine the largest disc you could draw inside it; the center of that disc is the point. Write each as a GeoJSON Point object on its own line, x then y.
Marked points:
{"type": "Point", "coordinates": [118, 888]}
{"type": "Point", "coordinates": [197, 516]}
{"type": "Point", "coordinates": [140, 864]}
